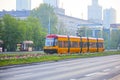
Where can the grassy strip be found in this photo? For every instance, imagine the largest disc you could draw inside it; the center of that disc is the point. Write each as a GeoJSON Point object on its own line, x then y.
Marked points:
{"type": "Point", "coordinates": [54, 57]}
{"type": "Point", "coordinates": [18, 53]}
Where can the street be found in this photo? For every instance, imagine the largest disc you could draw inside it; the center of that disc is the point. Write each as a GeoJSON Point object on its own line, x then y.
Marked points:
{"type": "Point", "coordinates": [96, 68]}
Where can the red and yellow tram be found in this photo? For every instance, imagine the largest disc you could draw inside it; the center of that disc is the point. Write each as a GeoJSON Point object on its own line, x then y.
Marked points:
{"type": "Point", "coordinates": [63, 44]}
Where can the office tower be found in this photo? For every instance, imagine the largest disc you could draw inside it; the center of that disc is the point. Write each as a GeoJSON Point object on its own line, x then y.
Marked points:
{"type": "Point", "coordinates": [23, 5]}
{"type": "Point", "coordinates": [54, 3]}
{"type": "Point", "coordinates": [95, 12]}
{"type": "Point", "coordinates": [109, 17]}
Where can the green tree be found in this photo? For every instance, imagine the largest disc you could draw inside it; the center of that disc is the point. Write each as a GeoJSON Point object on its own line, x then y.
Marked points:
{"type": "Point", "coordinates": [45, 14]}
{"type": "Point", "coordinates": [35, 32]}
{"type": "Point", "coordinates": [115, 38]}
{"type": "Point", "coordinates": [1, 28]}
{"type": "Point", "coordinates": [14, 31]}
{"type": "Point", "coordinates": [11, 32]}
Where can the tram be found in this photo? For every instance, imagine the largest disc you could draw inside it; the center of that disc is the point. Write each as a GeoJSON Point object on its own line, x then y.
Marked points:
{"type": "Point", "coordinates": [25, 46]}
{"type": "Point", "coordinates": [63, 44]}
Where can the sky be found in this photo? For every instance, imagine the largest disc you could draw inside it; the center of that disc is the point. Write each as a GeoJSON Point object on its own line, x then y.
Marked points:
{"type": "Point", "coordinates": [75, 8]}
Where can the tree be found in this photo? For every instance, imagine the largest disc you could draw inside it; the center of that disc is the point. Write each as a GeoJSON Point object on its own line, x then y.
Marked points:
{"type": "Point", "coordinates": [11, 32]}
{"type": "Point", "coordinates": [112, 38]}
{"type": "Point", "coordinates": [115, 38]}
{"type": "Point", "coordinates": [35, 32]}
{"type": "Point", "coordinates": [1, 28]}
{"type": "Point", "coordinates": [14, 31]}
{"type": "Point", "coordinates": [45, 14]}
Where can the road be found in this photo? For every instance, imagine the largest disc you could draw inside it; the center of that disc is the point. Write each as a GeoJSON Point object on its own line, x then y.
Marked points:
{"type": "Point", "coordinates": [97, 68]}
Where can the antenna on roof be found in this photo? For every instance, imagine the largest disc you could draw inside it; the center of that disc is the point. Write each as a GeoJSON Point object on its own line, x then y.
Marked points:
{"type": "Point", "coordinates": [82, 15]}
{"type": "Point", "coordinates": [70, 13]}
{"type": "Point", "coordinates": [62, 5]}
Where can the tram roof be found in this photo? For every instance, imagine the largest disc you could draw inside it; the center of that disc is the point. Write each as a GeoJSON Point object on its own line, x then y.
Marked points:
{"type": "Point", "coordinates": [64, 36]}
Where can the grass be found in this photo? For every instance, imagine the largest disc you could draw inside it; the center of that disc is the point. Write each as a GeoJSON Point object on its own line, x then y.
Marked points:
{"type": "Point", "coordinates": [42, 58]}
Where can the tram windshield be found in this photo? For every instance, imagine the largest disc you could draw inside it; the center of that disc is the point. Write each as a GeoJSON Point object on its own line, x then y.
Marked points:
{"type": "Point", "coordinates": [50, 42]}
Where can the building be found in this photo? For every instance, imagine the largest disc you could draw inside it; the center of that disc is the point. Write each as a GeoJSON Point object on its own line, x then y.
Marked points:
{"type": "Point", "coordinates": [115, 26]}
{"type": "Point", "coordinates": [109, 17]}
{"type": "Point", "coordinates": [59, 11]}
{"type": "Point", "coordinates": [69, 24]}
{"type": "Point", "coordinates": [23, 5]}
{"type": "Point", "coordinates": [54, 3]}
{"type": "Point", "coordinates": [17, 14]}
{"type": "Point", "coordinates": [95, 12]}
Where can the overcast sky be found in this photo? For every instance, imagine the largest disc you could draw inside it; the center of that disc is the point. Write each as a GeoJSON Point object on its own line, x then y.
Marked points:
{"type": "Point", "coordinates": [75, 8]}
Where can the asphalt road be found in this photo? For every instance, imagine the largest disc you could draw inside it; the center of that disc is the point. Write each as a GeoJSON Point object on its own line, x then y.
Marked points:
{"type": "Point", "coordinates": [97, 68]}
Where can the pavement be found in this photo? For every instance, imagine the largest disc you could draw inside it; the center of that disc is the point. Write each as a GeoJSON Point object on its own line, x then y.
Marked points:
{"type": "Point", "coordinates": [116, 77]}
{"type": "Point", "coordinates": [96, 68]}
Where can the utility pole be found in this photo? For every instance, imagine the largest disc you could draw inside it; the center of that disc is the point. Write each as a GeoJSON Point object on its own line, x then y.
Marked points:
{"type": "Point", "coordinates": [49, 31]}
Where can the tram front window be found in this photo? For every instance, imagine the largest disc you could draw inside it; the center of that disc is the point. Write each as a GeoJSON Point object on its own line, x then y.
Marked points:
{"type": "Point", "coordinates": [50, 42]}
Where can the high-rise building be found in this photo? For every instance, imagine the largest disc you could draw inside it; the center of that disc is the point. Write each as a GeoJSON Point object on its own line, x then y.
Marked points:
{"type": "Point", "coordinates": [54, 3]}
{"type": "Point", "coordinates": [95, 12]}
{"type": "Point", "coordinates": [109, 17]}
{"type": "Point", "coordinates": [23, 5]}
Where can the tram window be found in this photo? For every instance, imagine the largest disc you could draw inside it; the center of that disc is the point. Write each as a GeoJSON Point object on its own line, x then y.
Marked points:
{"type": "Point", "coordinates": [84, 44]}
{"type": "Point", "coordinates": [56, 42]}
{"type": "Point", "coordinates": [65, 44]}
{"type": "Point", "coordinates": [92, 45]}
{"type": "Point", "coordinates": [74, 44]}
{"type": "Point", "coordinates": [60, 43]}
{"type": "Point", "coordinates": [49, 41]}
{"type": "Point", "coordinates": [100, 45]}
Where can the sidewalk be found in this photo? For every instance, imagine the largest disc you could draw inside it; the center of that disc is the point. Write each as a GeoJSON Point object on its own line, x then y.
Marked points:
{"type": "Point", "coordinates": [116, 77]}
